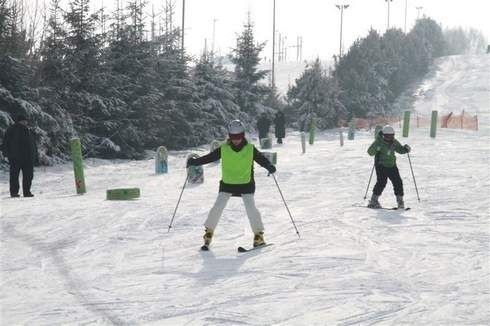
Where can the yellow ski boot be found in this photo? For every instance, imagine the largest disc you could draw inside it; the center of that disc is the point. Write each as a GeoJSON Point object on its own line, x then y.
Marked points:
{"type": "Point", "coordinates": [259, 239]}
{"type": "Point", "coordinates": [208, 236]}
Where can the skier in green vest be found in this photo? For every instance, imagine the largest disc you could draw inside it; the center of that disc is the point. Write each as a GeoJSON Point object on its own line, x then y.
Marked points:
{"type": "Point", "coordinates": [383, 149]}
{"type": "Point", "coordinates": [237, 157]}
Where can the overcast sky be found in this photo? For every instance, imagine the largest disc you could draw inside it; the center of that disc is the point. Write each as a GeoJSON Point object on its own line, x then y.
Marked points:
{"type": "Point", "coordinates": [317, 21]}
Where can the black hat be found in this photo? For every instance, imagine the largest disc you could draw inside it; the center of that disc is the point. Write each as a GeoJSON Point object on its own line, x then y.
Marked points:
{"type": "Point", "coordinates": [21, 117]}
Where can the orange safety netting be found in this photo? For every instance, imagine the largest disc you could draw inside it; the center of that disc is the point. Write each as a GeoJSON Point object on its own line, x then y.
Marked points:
{"type": "Point", "coordinates": [450, 120]}
{"type": "Point", "coordinates": [461, 121]}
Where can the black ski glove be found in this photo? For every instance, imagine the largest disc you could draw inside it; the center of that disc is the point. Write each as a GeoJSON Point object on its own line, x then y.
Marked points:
{"type": "Point", "coordinates": [272, 169]}
{"type": "Point", "coordinates": [191, 162]}
{"type": "Point", "coordinates": [407, 148]}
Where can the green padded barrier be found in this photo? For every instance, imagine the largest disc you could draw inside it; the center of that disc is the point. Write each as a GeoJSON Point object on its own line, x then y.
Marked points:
{"type": "Point", "coordinates": [123, 193]}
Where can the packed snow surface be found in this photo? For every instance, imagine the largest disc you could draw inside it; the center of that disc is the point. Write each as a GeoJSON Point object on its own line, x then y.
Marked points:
{"type": "Point", "coordinates": [70, 259]}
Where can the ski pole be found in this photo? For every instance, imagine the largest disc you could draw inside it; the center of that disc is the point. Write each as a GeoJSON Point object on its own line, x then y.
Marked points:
{"type": "Point", "coordinates": [367, 188]}
{"type": "Point", "coordinates": [280, 192]}
{"type": "Point", "coordinates": [178, 202]}
{"type": "Point", "coordinates": [413, 176]}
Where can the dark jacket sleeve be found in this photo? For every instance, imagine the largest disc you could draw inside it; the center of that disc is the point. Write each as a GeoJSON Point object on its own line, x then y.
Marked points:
{"type": "Point", "coordinates": [208, 158]}
{"type": "Point", "coordinates": [399, 148]}
{"type": "Point", "coordinates": [261, 159]}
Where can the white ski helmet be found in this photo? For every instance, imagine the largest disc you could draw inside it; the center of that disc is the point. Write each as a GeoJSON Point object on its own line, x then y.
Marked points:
{"type": "Point", "coordinates": [388, 130]}
{"type": "Point", "coordinates": [236, 127]}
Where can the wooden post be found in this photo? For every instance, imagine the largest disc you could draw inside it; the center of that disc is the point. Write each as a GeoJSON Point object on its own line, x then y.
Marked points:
{"type": "Point", "coordinates": [76, 154]}
{"type": "Point", "coordinates": [433, 124]}
{"type": "Point", "coordinates": [303, 142]}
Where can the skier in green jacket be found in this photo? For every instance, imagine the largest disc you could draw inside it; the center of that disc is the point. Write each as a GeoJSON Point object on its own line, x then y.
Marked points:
{"type": "Point", "coordinates": [383, 149]}
{"type": "Point", "coordinates": [237, 160]}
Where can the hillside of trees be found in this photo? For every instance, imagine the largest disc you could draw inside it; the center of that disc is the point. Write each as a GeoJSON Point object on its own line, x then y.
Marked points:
{"type": "Point", "coordinates": [377, 69]}
{"type": "Point", "coordinates": [124, 89]}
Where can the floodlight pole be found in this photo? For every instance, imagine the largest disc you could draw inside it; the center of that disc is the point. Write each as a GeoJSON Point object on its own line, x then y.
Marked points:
{"type": "Point", "coordinates": [388, 1]}
{"type": "Point", "coordinates": [341, 8]}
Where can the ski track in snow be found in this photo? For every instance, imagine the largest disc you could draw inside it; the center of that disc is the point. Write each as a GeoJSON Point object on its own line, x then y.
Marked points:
{"type": "Point", "coordinates": [68, 259]}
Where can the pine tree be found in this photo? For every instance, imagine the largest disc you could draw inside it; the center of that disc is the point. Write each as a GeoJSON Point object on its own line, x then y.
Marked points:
{"type": "Point", "coordinates": [246, 59]}
{"type": "Point", "coordinates": [13, 35]}
{"type": "Point", "coordinates": [316, 94]}
{"type": "Point", "coordinates": [394, 53]}
{"type": "Point", "coordinates": [216, 92]}
{"type": "Point", "coordinates": [51, 70]}
{"type": "Point", "coordinates": [363, 75]}
{"type": "Point", "coordinates": [83, 46]}
{"type": "Point", "coordinates": [4, 16]}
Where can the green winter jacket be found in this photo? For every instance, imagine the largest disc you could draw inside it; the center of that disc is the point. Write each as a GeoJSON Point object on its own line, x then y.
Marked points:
{"type": "Point", "coordinates": [385, 152]}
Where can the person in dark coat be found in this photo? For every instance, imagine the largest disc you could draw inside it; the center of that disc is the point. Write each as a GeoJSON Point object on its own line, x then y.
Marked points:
{"type": "Point", "coordinates": [280, 126]}
{"type": "Point", "coordinates": [19, 146]}
{"type": "Point", "coordinates": [263, 125]}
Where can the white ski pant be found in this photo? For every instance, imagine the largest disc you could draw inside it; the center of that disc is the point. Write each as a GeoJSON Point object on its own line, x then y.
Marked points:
{"type": "Point", "coordinates": [252, 212]}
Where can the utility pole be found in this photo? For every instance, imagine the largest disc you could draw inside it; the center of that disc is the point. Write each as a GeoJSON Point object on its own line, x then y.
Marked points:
{"type": "Point", "coordinates": [419, 9]}
{"type": "Point", "coordinates": [405, 29]}
{"type": "Point", "coordinates": [301, 48]}
{"type": "Point", "coordinates": [341, 8]}
{"type": "Point", "coordinates": [214, 35]}
{"type": "Point", "coordinates": [297, 47]}
{"type": "Point", "coordinates": [388, 1]}
{"type": "Point", "coordinates": [273, 79]}
{"type": "Point", "coordinates": [285, 48]}
{"type": "Point", "coordinates": [279, 47]}
{"type": "Point", "coordinates": [183, 26]}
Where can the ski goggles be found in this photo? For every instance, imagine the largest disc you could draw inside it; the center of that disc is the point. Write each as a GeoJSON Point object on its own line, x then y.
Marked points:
{"type": "Point", "coordinates": [237, 136]}
{"type": "Point", "coordinates": [388, 137]}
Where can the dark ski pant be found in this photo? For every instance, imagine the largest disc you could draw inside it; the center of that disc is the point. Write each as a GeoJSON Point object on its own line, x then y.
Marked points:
{"type": "Point", "coordinates": [279, 140]}
{"type": "Point", "coordinates": [382, 175]}
{"type": "Point", "coordinates": [27, 169]}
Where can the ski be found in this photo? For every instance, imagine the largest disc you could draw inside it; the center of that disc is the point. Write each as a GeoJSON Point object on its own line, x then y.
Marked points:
{"type": "Point", "coordinates": [385, 208]}
{"type": "Point", "coordinates": [243, 249]}
{"type": "Point", "coordinates": [391, 208]}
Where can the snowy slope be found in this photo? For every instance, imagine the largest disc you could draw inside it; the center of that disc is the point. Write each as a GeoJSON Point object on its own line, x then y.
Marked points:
{"type": "Point", "coordinates": [68, 259]}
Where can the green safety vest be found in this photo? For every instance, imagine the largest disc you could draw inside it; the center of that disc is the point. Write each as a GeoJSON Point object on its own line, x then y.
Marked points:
{"type": "Point", "coordinates": [236, 167]}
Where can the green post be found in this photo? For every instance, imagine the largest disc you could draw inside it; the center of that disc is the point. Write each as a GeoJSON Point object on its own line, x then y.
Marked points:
{"type": "Point", "coordinates": [406, 123]}
{"type": "Point", "coordinates": [76, 155]}
{"type": "Point", "coordinates": [312, 128]}
{"type": "Point", "coordinates": [433, 124]}
{"type": "Point", "coordinates": [352, 130]}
